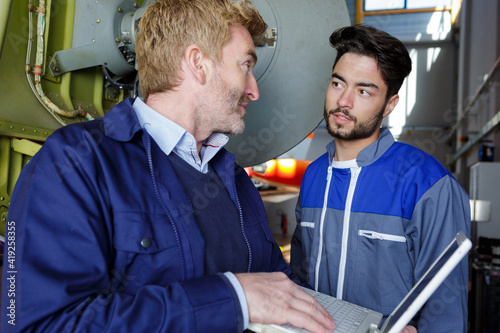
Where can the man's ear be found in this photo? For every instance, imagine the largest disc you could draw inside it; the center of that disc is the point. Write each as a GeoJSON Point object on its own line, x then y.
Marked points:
{"type": "Point", "coordinates": [391, 104]}
{"type": "Point", "coordinates": [196, 63]}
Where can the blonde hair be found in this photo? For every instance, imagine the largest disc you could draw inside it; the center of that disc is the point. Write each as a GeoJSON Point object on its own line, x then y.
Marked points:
{"type": "Point", "coordinates": [168, 27]}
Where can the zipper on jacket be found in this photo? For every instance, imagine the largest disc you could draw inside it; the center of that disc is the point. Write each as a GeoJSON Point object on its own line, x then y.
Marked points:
{"type": "Point", "coordinates": [249, 268]}
{"type": "Point", "coordinates": [322, 220]}
{"type": "Point", "coordinates": [158, 196]}
{"type": "Point", "coordinates": [381, 236]}
{"type": "Point", "coordinates": [345, 231]}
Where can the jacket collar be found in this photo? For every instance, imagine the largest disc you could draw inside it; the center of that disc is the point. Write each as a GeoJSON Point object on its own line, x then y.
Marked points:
{"type": "Point", "coordinates": [370, 153]}
{"type": "Point", "coordinates": [121, 122]}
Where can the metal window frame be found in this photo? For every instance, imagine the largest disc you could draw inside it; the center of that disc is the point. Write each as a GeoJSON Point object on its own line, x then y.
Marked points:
{"type": "Point", "coordinates": [361, 13]}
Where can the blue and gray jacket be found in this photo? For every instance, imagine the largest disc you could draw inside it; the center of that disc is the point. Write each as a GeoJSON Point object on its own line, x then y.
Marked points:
{"type": "Point", "coordinates": [369, 228]}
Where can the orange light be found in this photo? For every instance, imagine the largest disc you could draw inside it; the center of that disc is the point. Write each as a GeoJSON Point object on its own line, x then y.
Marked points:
{"type": "Point", "coordinates": [283, 172]}
{"type": "Point", "coordinates": [287, 168]}
{"type": "Point", "coordinates": [270, 168]}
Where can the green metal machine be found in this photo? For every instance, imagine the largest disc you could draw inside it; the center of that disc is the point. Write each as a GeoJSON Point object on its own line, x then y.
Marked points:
{"type": "Point", "coordinates": [67, 61]}
{"type": "Point", "coordinates": [34, 100]}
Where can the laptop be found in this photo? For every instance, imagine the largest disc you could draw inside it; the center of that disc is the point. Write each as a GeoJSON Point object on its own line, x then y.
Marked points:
{"type": "Point", "coordinates": [356, 319]}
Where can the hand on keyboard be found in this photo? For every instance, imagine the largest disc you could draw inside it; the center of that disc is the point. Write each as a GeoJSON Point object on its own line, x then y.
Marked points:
{"type": "Point", "coordinates": [273, 298]}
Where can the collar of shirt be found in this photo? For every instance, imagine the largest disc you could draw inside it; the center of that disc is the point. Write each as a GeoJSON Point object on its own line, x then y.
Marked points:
{"type": "Point", "coordinates": [171, 137]}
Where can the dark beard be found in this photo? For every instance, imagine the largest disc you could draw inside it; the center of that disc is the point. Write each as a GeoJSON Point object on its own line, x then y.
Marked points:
{"type": "Point", "coordinates": [361, 130]}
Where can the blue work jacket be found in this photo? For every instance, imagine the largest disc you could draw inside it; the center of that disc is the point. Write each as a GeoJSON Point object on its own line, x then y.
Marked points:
{"type": "Point", "coordinates": [104, 240]}
{"type": "Point", "coordinates": [369, 229]}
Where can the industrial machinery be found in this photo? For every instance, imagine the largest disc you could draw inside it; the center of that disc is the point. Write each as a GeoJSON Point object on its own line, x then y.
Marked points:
{"type": "Point", "coordinates": [66, 61]}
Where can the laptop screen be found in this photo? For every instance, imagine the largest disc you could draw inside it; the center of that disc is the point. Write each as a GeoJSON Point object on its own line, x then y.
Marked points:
{"type": "Point", "coordinates": [429, 282]}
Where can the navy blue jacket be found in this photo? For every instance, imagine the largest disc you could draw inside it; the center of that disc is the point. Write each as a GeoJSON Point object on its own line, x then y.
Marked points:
{"type": "Point", "coordinates": [105, 243]}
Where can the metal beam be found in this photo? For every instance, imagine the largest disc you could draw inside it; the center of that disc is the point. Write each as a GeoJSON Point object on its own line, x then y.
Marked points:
{"type": "Point", "coordinates": [485, 131]}
{"type": "Point", "coordinates": [482, 89]}
{"type": "Point", "coordinates": [12, 129]}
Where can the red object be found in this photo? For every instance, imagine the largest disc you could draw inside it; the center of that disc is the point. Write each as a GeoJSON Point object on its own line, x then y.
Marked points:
{"type": "Point", "coordinates": [283, 171]}
{"type": "Point", "coordinates": [284, 223]}
{"type": "Point", "coordinates": [249, 171]}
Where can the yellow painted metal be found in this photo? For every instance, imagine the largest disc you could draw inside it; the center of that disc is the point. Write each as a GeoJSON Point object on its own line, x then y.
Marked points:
{"type": "Point", "coordinates": [360, 9]}
{"type": "Point", "coordinates": [83, 88]}
{"type": "Point", "coordinates": [25, 147]}
{"type": "Point", "coordinates": [24, 131]}
{"type": "Point", "coordinates": [63, 30]}
{"type": "Point", "coordinates": [4, 18]}
{"type": "Point", "coordinates": [11, 164]}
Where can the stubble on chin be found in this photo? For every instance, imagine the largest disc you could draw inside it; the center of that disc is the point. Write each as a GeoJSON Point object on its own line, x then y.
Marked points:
{"type": "Point", "coordinates": [360, 130]}
{"type": "Point", "coordinates": [238, 125]}
{"type": "Point", "coordinates": [236, 117]}
{"type": "Point", "coordinates": [334, 129]}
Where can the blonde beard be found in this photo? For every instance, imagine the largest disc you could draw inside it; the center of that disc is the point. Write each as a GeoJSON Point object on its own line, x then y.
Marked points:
{"type": "Point", "coordinates": [221, 97]}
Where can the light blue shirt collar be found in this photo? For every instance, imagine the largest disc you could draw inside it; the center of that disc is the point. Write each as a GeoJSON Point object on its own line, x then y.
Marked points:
{"type": "Point", "coordinates": [171, 137]}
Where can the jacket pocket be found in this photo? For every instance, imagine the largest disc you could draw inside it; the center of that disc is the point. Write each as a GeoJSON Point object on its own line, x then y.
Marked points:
{"type": "Point", "coordinates": [143, 233]}
{"type": "Point", "coordinates": [146, 249]}
{"type": "Point", "coordinates": [382, 272]}
{"type": "Point", "coordinates": [381, 236]}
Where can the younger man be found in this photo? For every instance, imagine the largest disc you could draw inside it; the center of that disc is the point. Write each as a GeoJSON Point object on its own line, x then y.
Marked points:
{"type": "Point", "coordinates": [373, 214]}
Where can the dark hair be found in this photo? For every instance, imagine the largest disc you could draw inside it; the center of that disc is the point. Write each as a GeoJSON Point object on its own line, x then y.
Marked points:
{"type": "Point", "coordinates": [390, 53]}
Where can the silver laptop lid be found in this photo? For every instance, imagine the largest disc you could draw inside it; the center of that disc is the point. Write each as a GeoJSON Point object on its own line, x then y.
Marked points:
{"type": "Point", "coordinates": [424, 288]}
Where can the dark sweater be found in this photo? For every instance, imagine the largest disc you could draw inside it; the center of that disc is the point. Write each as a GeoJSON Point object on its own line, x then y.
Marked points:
{"type": "Point", "coordinates": [217, 217]}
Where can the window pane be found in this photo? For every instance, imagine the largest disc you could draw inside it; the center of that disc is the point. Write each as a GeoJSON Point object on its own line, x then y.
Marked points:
{"type": "Point", "coordinates": [384, 4]}
{"type": "Point", "coordinates": [414, 27]}
{"type": "Point", "coordinates": [412, 4]}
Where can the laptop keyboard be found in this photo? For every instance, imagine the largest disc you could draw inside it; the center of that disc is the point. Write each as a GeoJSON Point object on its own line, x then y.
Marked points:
{"type": "Point", "coordinates": [347, 316]}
